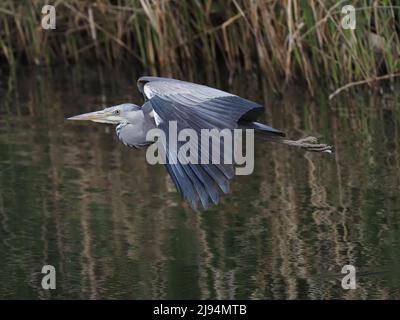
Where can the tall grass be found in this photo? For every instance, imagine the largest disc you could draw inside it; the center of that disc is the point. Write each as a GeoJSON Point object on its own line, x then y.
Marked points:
{"type": "Point", "coordinates": [283, 40]}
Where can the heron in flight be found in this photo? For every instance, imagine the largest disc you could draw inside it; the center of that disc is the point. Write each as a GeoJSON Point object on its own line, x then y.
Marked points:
{"type": "Point", "coordinates": [191, 106]}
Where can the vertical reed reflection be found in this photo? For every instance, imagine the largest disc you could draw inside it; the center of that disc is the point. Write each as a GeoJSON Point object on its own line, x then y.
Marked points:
{"type": "Point", "coordinates": [72, 196]}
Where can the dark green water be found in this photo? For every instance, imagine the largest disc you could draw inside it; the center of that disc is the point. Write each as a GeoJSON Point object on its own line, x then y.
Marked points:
{"type": "Point", "coordinates": [73, 197]}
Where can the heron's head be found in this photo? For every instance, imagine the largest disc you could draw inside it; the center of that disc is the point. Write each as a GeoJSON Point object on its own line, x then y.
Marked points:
{"type": "Point", "coordinates": [112, 115]}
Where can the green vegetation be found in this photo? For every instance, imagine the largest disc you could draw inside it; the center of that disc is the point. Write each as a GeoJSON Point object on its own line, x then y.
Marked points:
{"type": "Point", "coordinates": [284, 40]}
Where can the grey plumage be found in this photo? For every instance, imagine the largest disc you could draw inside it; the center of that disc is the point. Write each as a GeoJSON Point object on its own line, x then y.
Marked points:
{"type": "Point", "coordinates": [192, 106]}
{"type": "Point", "coordinates": [198, 107]}
{"type": "Point", "coordinates": [132, 132]}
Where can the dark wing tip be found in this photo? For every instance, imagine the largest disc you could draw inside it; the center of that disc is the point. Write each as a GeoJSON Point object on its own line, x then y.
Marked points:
{"type": "Point", "coordinates": [145, 79]}
{"type": "Point", "coordinates": [141, 82]}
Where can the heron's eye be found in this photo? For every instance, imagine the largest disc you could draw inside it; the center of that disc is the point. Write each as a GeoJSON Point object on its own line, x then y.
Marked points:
{"type": "Point", "coordinates": [116, 112]}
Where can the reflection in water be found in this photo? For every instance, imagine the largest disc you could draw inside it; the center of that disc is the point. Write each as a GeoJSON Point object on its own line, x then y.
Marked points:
{"type": "Point", "coordinates": [113, 226]}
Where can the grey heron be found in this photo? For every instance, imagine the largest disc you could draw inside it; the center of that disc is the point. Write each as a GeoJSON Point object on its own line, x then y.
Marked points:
{"type": "Point", "coordinates": [196, 107]}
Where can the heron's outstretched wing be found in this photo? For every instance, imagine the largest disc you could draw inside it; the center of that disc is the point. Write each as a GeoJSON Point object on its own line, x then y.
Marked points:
{"type": "Point", "coordinates": [197, 107]}
{"type": "Point", "coordinates": [193, 180]}
{"type": "Point", "coordinates": [215, 102]}
{"type": "Point", "coordinates": [210, 102]}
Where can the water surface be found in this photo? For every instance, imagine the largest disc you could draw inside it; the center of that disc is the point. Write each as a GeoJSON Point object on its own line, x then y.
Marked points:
{"type": "Point", "coordinates": [113, 226]}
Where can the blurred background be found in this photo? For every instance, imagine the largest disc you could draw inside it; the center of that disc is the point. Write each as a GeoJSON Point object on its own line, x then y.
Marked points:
{"type": "Point", "coordinates": [281, 40]}
{"type": "Point", "coordinates": [114, 227]}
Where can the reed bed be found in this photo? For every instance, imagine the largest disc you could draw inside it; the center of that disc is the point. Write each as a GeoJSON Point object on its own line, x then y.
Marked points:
{"type": "Point", "coordinates": [282, 40]}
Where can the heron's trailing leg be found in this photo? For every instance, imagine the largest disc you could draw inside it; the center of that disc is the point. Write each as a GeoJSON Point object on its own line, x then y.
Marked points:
{"type": "Point", "coordinates": [309, 144]}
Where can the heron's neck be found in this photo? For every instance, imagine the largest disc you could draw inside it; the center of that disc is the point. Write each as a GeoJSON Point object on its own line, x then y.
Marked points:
{"type": "Point", "coordinates": [134, 134]}
{"type": "Point", "coordinates": [119, 128]}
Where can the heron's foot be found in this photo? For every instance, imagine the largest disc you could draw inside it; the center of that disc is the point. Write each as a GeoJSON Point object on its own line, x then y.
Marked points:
{"type": "Point", "coordinates": [309, 139]}
{"type": "Point", "coordinates": [309, 144]}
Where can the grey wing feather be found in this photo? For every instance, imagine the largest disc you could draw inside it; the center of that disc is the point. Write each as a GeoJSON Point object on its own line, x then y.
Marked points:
{"type": "Point", "coordinates": [214, 102]}
{"type": "Point", "coordinates": [198, 107]}
{"type": "Point", "coordinates": [193, 181]}
{"type": "Point", "coordinates": [151, 86]}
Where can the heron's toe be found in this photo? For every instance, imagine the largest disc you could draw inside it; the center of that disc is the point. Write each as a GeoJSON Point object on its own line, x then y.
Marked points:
{"type": "Point", "coordinates": [309, 139]}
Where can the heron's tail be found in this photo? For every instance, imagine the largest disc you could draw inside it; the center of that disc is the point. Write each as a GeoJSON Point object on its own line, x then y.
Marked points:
{"type": "Point", "coordinates": [308, 143]}
{"type": "Point", "coordinates": [261, 128]}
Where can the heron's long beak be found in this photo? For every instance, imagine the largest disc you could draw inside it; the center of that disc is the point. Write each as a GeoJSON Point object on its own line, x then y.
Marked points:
{"type": "Point", "coordinates": [101, 116]}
